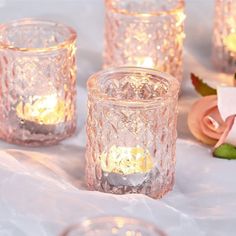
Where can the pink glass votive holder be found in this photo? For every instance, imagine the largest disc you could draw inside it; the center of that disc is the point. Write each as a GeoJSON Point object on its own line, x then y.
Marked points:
{"type": "Point", "coordinates": [117, 226]}
{"type": "Point", "coordinates": [224, 36]}
{"type": "Point", "coordinates": [145, 33]}
{"type": "Point", "coordinates": [131, 131]}
{"type": "Point", "coordinates": [38, 82]}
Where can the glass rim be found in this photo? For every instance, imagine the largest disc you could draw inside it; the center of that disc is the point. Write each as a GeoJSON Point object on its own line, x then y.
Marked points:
{"type": "Point", "coordinates": [86, 223]}
{"type": "Point", "coordinates": [122, 11]}
{"type": "Point", "coordinates": [72, 36]}
{"type": "Point", "coordinates": [94, 92]}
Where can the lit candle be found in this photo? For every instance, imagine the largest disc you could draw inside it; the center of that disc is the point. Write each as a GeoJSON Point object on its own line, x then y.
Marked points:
{"type": "Point", "coordinates": [230, 43]}
{"type": "Point", "coordinates": [126, 160]}
{"type": "Point", "coordinates": [230, 50]}
{"type": "Point", "coordinates": [43, 110]}
{"type": "Point", "coordinates": [126, 166]}
{"type": "Point", "coordinates": [146, 62]}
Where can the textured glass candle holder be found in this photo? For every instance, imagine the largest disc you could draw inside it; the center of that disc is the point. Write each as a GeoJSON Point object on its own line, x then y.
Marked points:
{"type": "Point", "coordinates": [38, 82]}
{"type": "Point", "coordinates": [131, 131]}
{"type": "Point", "coordinates": [119, 226]}
{"type": "Point", "coordinates": [147, 33]}
{"type": "Point", "coordinates": [224, 36]}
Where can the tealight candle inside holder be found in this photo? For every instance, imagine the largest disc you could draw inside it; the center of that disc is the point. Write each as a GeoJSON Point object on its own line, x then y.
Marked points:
{"type": "Point", "coordinates": [224, 36]}
{"type": "Point", "coordinates": [38, 74]}
{"type": "Point", "coordinates": [145, 34]}
{"type": "Point", "coordinates": [131, 131]}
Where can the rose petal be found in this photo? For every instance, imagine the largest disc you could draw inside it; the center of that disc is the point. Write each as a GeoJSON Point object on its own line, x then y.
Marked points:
{"type": "Point", "coordinates": [212, 125]}
{"type": "Point", "coordinates": [195, 117]}
{"type": "Point", "coordinates": [226, 97]}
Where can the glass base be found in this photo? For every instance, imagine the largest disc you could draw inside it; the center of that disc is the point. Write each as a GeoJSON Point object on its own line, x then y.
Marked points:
{"type": "Point", "coordinates": [36, 140]}
{"type": "Point", "coordinates": [32, 134]}
{"type": "Point", "coordinates": [151, 184]}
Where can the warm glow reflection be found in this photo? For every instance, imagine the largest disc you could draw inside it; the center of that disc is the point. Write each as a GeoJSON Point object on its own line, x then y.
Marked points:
{"type": "Point", "coordinates": [43, 110]}
{"type": "Point", "coordinates": [230, 42]}
{"type": "Point", "coordinates": [146, 62]}
{"type": "Point", "coordinates": [126, 160]}
{"type": "Point", "coordinates": [180, 17]}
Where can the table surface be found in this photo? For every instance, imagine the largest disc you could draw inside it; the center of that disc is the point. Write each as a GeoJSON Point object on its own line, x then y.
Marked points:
{"type": "Point", "coordinates": [42, 190]}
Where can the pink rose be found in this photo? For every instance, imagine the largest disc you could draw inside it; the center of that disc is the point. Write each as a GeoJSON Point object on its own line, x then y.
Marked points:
{"type": "Point", "coordinates": [206, 123]}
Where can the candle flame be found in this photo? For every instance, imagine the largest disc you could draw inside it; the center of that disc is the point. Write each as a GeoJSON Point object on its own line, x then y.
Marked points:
{"type": "Point", "coordinates": [126, 160]}
{"type": "Point", "coordinates": [146, 62]}
{"type": "Point", "coordinates": [44, 110]}
{"type": "Point", "coordinates": [230, 42]}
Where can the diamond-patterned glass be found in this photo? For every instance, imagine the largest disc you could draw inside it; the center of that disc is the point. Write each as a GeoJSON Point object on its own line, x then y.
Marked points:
{"type": "Point", "coordinates": [111, 225]}
{"type": "Point", "coordinates": [224, 36]}
{"type": "Point", "coordinates": [131, 131]}
{"type": "Point", "coordinates": [146, 33]}
{"type": "Point", "coordinates": [38, 82]}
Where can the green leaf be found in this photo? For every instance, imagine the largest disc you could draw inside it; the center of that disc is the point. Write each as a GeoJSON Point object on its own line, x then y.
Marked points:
{"type": "Point", "coordinates": [201, 87]}
{"type": "Point", "coordinates": [225, 151]}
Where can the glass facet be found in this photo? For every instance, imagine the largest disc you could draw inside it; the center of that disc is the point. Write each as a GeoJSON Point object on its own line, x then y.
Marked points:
{"type": "Point", "coordinates": [131, 131]}
{"type": "Point", "coordinates": [38, 82]}
{"type": "Point", "coordinates": [119, 226]}
{"type": "Point", "coordinates": [147, 33]}
{"type": "Point", "coordinates": [224, 36]}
